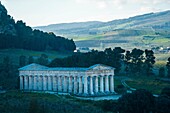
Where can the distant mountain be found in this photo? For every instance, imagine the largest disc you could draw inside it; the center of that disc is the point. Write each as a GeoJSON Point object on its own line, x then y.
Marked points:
{"type": "Point", "coordinates": [141, 22]}
{"type": "Point", "coordinates": [142, 31]}
{"type": "Point", "coordinates": [64, 26]}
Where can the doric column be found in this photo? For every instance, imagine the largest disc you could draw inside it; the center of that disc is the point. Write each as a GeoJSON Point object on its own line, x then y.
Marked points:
{"type": "Point", "coordinates": [85, 85]}
{"type": "Point", "coordinates": [44, 83]}
{"type": "Point", "coordinates": [30, 82]}
{"type": "Point", "coordinates": [70, 84]}
{"type": "Point", "coordinates": [39, 82]}
{"type": "Point", "coordinates": [65, 84]}
{"type": "Point", "coordinates": [26, 82]}
{"type": "Point", "coordinates": [75, 84]}
{"type": "Point", "coordinates": [80, 85]}
{"type": "Point", "coordinates": [21, 82]}
{"type": "Point", "coordinates": [101, 84]}
{"type": "Point", "coordinates": [111, 83]}
{"type": "Point", "coordinates": [59, 84]}
{"type": "Point", "coordinates": [35, 82]}
{"type": "Point", "coordinates": [106, 84]}
{"type": "Point", "coordinates": [54, 83]}
{"type": "Point", "coordinates": [49, 83]}
{"type": "Point", "coordinates": [91, 85]}
{"type": "Point", "coordinates": [96, 84]}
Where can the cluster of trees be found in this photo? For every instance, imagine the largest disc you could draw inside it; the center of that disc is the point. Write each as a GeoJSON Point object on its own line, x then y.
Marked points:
{"type": "Point", "coordinates": [18, 35]}
{"type": "Point", "coordinates": [109, 57]}
{"type": "Point", "coordinates": [42, 60]}
{"type": "Point", "coordinates": [134, 62]}
{"type": "Point", "coordinates": [9, 70]}
{"type": "Point", "coordinates": [142, 101]}
{"type": "Point", "coordinates": [8, 74]}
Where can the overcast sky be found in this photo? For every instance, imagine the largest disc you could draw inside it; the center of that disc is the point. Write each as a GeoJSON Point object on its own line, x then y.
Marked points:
{"type": "Point", "coordinates": [44, 12]}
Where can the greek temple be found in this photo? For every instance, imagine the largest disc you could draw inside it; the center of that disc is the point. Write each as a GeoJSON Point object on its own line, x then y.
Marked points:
{"type": "Point", "coordinates": [94, 80]}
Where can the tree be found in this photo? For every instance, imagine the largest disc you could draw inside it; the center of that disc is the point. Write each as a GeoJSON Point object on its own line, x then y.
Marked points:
{"type": "Point", "coordinates": [22, 60]}
{"type": "Point", "coordinates": [6, 66]}
{"type": "Point", "coordinates": [118, 58]}
{"type": "Point", "coordinates": [149, 61]}
{"type": "Point", "coordinates": [30, 59]}
{"type": "Point", "coordinates": [43, 60]}
{"type": "Point", "coordinates": [168, 67]}
{"type": "Point", "coordinates": [162, 72]}
{"type": "Point", "coordinates": [127, 62]}
{"type": "Point", "coordinates": [136, 61]}
{"type": "Point", "coordinates": [140, 101]}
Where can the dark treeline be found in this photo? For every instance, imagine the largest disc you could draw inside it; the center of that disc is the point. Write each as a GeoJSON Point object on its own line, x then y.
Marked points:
{"type": "Point", "coordinates": [134, 62]}
{"type": "Point", "coordinates": [18, 35]}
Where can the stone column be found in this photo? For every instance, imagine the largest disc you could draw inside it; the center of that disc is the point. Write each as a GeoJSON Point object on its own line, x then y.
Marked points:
{"type": "Point", "coordinates": [35, 82]}
{"type": "Point", "coordinates": [44, 83]}
{"type": "Point", "coordinates": [26, 82]}
{"type": "Point", "coordinates": [21, 82]}
{"type": "Point", "coordinates": [85, 85]}
{"type": "Point", "coordinates": [49, 83]}
{"type": "Point", "coordinates": [106, 84]}
{"type": "Point", "coordinates": [111, 83]}
{"type": "Point", "coordinates": [96, 84]}
{"type": "Point", "coordinates": [59, 84]}
{"type": "Point", "coordinates": [80, 85]}
{"type": "Point", "coordinates": [101, 84]}
{"type": "Point", "coordinates": [65, 84]}
{"type": "Point", "coordinates": [75, 84]}
{"type": "Point", "coordinates": [70, 84]}
{"type": "Point", "coordinates": [30, 82]}
{"type": "Point", "coordinates": [54, 83]}
{"type": "Point", "coordinates": [40, 82]}
{"type": "Point", "coordinates": [91, 85]}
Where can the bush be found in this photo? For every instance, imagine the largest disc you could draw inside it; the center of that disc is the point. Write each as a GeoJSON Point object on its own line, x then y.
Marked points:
{"type": "Point", "coordinates": [166, 91]}
{"type": "Point", "coordinates": [140, 101]}
{"type": "Point", "coordinates": [162, 105]}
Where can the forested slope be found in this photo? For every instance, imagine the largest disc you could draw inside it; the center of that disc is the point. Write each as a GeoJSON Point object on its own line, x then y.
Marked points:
{"type": "Point", "coordinates": [19, 35]}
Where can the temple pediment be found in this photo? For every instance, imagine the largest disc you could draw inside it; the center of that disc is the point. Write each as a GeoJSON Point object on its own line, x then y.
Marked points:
{"type": "Point", "coordinates": [33, 66]}
{"type": "Point", "coordinates": [100, 67]}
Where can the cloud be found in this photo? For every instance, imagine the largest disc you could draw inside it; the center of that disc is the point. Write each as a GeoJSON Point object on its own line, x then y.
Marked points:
{"type": "Point", "coordinates": [151, 2]}
{"type": "Point", "coordinates": [102, 4]}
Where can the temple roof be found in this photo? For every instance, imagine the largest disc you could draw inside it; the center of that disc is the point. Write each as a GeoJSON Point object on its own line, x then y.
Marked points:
{"type": "Point", "coordinates": [37, 67]}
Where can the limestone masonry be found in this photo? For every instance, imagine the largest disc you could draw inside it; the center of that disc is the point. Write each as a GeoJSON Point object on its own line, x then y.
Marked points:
{"type": "Point", "coordinates": [95, 80]}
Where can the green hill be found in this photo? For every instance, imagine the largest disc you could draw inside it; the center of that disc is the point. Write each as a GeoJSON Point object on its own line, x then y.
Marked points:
{"type": "Point", "coordinates": [142, 31]}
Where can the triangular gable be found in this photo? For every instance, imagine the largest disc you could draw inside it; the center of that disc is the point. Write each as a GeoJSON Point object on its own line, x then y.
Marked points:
{"type": "Point", "coordinates": [100, 67]}
{"type": "Point", "coordinates": [33, 66]}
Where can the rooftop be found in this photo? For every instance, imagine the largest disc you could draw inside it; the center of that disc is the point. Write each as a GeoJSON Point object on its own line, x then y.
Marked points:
{"type": "Point", "coordinates": [37, 67]}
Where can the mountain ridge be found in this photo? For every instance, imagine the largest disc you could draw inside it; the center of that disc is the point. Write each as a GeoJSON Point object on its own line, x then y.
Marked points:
{"type": "Point", "coordinates": [141, 31]}
{"type": "Point", "coordinates": [113, 23]}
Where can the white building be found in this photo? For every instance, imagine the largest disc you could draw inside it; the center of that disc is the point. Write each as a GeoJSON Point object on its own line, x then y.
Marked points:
{"type": "Point", "coordinates": [95, 80]}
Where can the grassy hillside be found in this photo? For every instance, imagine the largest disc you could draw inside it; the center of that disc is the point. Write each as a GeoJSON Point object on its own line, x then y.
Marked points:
{"type": "Point", "coordinates": [20, 102]}
{"type": "Point", "coordinates": [14, 54]}
{"type": "Point", "coordinates": [152, 84]}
